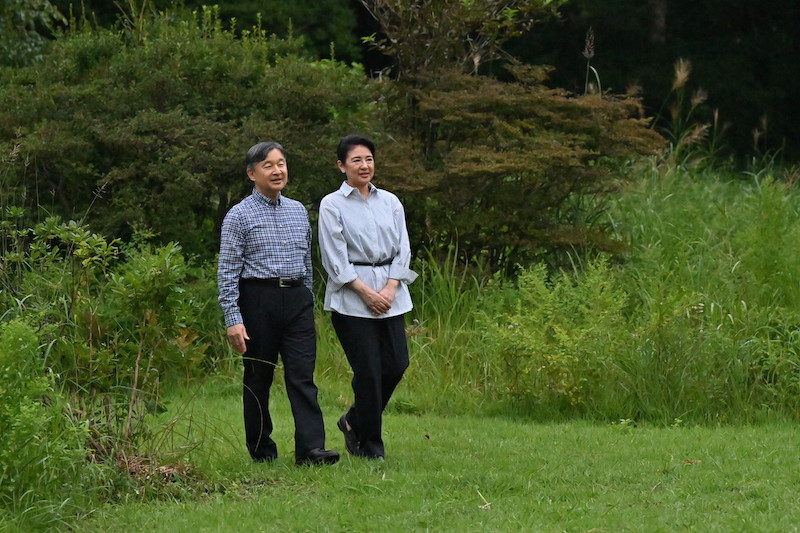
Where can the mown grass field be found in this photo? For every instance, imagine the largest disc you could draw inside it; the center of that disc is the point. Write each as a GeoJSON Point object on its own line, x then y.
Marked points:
{"type": "Point", "coordinates": [474, 473]}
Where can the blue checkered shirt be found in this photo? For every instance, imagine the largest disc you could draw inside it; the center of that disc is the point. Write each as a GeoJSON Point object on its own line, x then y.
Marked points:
{"type": "Point", "coordinates": [262, 238]}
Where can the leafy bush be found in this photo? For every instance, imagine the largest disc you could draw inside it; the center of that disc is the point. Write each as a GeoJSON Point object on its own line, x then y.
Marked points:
{"type": "Point", "coordinates": [116, 320]}
{"type": "Point", "coordinates": [148, 125]}
{"type": "Point", "coordinates": [42, 451]}
{"type": "Point", "coordinates": [558, 337]}
{"type": "Point", "coordinates": [515, 168]}
{"type": "Point", "coordinates": [22, 23]}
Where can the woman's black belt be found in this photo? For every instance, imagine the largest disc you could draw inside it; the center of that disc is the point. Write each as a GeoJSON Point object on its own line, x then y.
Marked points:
{"type": "Point", "coordinates": [275, 282]}
{"type": "Point", "coordinates": [380, 264]}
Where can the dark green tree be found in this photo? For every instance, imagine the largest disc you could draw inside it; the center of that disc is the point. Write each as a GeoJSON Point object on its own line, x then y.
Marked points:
{"type": "Point", "coordinates": [509, 169]}
{"type": "Point", "coordinates": [23, 27]}
{"type": "Point", "coordinates": [146, 127]}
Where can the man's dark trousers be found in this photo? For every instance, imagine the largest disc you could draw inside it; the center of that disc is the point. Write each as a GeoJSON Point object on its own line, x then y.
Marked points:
{"type": "Point", "coordinates": [279, 320]}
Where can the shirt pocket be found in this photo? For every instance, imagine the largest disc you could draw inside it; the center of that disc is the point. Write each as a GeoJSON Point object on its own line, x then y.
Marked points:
{"type": "Point", "coordinates": [261, 237]}
{"type": "Point", "coordinates": [297, 237]}
{"type": "Point", "coordinates": [294, 244]}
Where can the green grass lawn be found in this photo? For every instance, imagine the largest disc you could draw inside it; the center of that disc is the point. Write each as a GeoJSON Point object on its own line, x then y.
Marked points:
{"type": "Point", "coordinates": [472, 473]}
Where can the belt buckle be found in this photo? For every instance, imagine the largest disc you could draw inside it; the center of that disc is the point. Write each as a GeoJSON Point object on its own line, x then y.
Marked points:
{"type": "Point", "coordinates": [284, 283]}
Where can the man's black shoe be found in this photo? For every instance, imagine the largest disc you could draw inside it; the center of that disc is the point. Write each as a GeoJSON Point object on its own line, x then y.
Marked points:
{"type": "Point", "coordinates": [318, 456]}
{"type": "Point", "coordinates": [350, 439]}
{"type": "Point", "coordinates": [264, 458]}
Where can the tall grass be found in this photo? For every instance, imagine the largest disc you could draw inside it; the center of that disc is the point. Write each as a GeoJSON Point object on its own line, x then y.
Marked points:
{"type": "Point", "coordinates": [712, 276]}
{"type": "Point", "coordinates": [698, 321]}
{"type": "Point", "coordinates": [451, 371]}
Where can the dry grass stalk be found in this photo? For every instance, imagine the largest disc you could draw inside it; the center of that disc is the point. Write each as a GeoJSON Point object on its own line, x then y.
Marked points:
{"type": "Point", "coordinates": [699, 96]}
{"type": "Point", "coordinates": [683, 67]}
{"type": "Point", "coordinates": [698, 133]}
{"type": "Point", "coordinates": [588, 49]}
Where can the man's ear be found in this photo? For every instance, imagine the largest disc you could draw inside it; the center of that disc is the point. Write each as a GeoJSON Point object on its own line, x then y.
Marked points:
{"type": "Point", "coordinates": [250, 174]}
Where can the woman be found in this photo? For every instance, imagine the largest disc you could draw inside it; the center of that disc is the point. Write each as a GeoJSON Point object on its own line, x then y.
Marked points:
{"type": "Point", "coordinates": [365, 250]}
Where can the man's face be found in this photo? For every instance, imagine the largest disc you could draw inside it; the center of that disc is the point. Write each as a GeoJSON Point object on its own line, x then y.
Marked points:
{"type": "Point", "coordinates": [270, 175]}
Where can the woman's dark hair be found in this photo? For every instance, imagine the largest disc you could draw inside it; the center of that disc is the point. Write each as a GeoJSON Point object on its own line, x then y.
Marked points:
{"type": "Point", "coordinates": [257, 153]}
{"type": "Point", "coordinates": [349, 142]}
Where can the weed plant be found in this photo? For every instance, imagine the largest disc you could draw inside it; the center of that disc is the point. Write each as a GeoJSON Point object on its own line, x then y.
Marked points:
{"type": "Point", "coordinates": [556, 338]}
{"type": "Point", "coordinates": [44, 480]}
{"type": "Point", "coordinates": [89, 330]}
{"type": "Point", "coordinates": [695, 141]}
{"type": "Point", "coordinates": [697, 322]}
{"type": "Point", "coordinates": [713, 272]}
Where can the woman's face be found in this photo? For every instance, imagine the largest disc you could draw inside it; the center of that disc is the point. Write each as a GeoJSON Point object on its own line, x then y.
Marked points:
{"type": "Point", "coordinates": [359, 166]}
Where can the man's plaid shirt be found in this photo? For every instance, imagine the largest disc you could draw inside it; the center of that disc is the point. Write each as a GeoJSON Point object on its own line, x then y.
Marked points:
{"type": "Point", "coordinates": [262, 238]}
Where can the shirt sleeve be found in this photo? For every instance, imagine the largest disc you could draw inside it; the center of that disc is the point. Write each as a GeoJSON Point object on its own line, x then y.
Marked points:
{"type": "Point", "coordinates": [231, 263]}
{"type": "Point", "coordinates": [309, 278]}
{"type": "Point", "coordinates": [333, 247]}
{"type": "Point", "coordinates": [399, 269]}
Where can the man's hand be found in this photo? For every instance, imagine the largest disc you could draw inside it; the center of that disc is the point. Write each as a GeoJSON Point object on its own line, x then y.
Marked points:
{"type": "Point", "coordinates": [237, 336]}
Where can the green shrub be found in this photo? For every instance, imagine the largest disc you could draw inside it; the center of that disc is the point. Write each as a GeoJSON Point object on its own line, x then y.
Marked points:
{"type": "Point", "coordinates": [116, 319]}
{"type": "Point", "coordinates": [42, 451]}
{"type": "Point", "coordinates": [558, 337]}
{"type": "Point", "coordinates": [148, 125]}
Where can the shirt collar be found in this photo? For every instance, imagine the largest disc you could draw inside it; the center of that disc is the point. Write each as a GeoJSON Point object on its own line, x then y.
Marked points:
{"type": "Point", "coordinates": [347, 190]}
{"type": "Point", "coordinates": [266, 199]}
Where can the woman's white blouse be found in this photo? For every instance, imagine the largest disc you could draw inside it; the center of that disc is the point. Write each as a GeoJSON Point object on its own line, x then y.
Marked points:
{"type": "Point", "coordinates": [364, 230]}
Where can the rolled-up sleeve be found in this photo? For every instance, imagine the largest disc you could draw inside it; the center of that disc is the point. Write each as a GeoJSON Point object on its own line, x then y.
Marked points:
{"type": "Point", "coordinates": [399, 269]}
{"type": "Point", "coordinates": [333, 247]}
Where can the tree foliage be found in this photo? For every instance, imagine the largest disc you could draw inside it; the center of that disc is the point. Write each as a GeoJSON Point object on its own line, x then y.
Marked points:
{"type": "Point", "coordinates": [510, 166]}
{"type": "Point", "coordinates": [505, 168]}
{"type": "Point", "coordinates": [23, 24]}
{"type": "Point", "coordinates": [144, 128]}
{"type": "Point", "coordinates": [149, 125]}
{"type": "Point", "coordinates": [426, 36]}
{"type": "Point", "coordinates": [321, 23]}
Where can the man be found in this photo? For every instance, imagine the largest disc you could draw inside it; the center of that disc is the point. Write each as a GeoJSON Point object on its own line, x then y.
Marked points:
{"type": "Point", "coordinates": [264, 279]}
